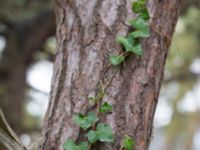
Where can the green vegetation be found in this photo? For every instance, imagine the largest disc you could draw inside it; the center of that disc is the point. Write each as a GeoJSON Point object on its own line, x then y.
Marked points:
{"type": "Point", "coordinates": [131, 42]}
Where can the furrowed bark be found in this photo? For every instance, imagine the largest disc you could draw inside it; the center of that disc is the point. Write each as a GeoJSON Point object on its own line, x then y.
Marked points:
{"type": "Point", "coordinates": [86, 33]}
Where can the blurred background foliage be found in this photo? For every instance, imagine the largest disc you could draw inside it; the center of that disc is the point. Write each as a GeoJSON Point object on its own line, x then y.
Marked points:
{"type": "Point", "coordinates": [27, 48]}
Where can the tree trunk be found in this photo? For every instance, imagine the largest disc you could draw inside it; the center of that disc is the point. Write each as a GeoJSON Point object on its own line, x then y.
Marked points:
{"type": "Point", "coordinates": [21, 46]}
{"type": "Point", "coordinates": [86, 33]}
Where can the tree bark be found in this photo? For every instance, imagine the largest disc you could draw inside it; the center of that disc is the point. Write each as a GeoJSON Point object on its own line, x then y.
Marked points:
{"type": "Point", "coordinates": [86, 33]}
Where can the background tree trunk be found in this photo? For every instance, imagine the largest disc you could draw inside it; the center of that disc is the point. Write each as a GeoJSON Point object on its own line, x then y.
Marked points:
{"type": "Point", "coordinates": [86, 33]}
{"type": "Point", "coordinates": [21, 44]}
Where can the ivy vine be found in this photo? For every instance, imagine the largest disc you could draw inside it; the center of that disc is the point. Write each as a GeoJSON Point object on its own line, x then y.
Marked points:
{"type": "Point", "coordinates": [131, 42]}
{"type": "Point", "coordinates": [98, 131]}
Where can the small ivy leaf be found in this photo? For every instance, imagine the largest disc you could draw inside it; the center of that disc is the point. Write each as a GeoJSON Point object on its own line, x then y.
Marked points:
{"type": "Point", "coordinates": [105, 133]}
{"type": "Point", "coordinates": [125, 42]}
{"type": "Point", "coordinates": [92, 118]}
{"type": "Point", "coordinates": [83, 146]}
{"type": "Point", "coordinates": [92, 100]}
{"type": "Point", "coordinates": [145, 14]}
{"type": "Point", "coordinates": [69, 145]}
{"type": "Point", "coordinates": [105, 107]}
{"type": "Point", "coordinates": [138, 6]}
{"type": "Point", "coordinates": [137, 49]}
{"type": "Point", "coordinates": [128, 143]}
{"type": "Point", "coordinates": [131, 39]}
{"type": "Point", "coordinates": [116, 59]}
{"type": "Point", "coordinates": [85, 121]}
{"type": "Point", "coordinates": [92, 136]}
{"type": "Point", "coordinates": [142, 34]}
{"type": "Point", "coordinates": [139, 24]}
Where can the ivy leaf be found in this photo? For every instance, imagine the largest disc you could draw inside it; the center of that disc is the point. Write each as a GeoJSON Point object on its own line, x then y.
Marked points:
{"type": "Point", "coordinates": [105, 107]}
{"type": "Point", "coordinates": [105, 133]}
{"type": "Point", "coordinates": [131, 39]}
{"type": "Point", "coordinates": [70, 145]}
{"type": "Point", "coordinates": [142, 34]}
{"type": "Point", "coordinates": [85, 121]}
{"type": "Point", "coordinates": [145, 14]}
{"type": "Point", "coordinates": [138, 6]}
{"type": "Point", "coordinates": [83, 146]}
{"type": "Point", "coordinates": [92, 100]}
{"type": "Point", "coordinates": [128, 143]}
{"type": "Point", "coordinates": [116, 59]}
{"type": "Point", "coordinates": [125, 42]}
{"type": "Point", "coordinates": [139, 24]}
{"type": "Point", "coordinates": [137, 49]}
{"type": "Point", "coordinates": [92, 136]}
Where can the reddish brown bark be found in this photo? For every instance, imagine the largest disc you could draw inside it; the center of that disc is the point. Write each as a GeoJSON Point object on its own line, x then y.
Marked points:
{"type": "Point", "coordinates": [86, 33]}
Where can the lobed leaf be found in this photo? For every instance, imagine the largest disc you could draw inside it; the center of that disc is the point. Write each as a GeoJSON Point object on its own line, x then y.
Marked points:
{"type": "Point", "coordinates": [105, 107]}
{"type": "Point", "coordinates": [128, 143]}
{"type": "Point", "coordinates": [92, 100]}
{"type": "Point", "coordinates": [140, 8]}
{"type": "Point", "coordinates": [70, 145]}
{"type": "Point", "coordinates": [116, 59]}
{"type": "Point", "coordinates": [139, 24]}
{"type": "Point", "coordinates": [125, 42]}
{"type": "Point", "coordinates": [92, 136]}
{"type": "Point", "coordinates": [137, 49]}
{"type": "Point", "coordinates": [85, 121]}
{"type": "Point", "coordinates": [140, 34]}
{"type": "Point", "coordinates": [105, 133]}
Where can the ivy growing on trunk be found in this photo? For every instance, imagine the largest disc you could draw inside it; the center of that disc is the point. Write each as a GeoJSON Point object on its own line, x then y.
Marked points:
{"type": "Point", "coordinates": [98, 131]}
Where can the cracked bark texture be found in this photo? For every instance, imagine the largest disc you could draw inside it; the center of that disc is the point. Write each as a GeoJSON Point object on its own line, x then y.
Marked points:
{"type": "Point", "coordinates": [86, 33]}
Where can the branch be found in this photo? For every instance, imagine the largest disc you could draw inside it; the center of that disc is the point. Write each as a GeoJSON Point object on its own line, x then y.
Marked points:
{"type": "Point", "coordinates": [7, 136]}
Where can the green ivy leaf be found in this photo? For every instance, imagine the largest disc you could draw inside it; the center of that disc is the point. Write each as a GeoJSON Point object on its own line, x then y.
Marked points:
{"type": "Point", "coordinates": [92, 100]}
{"type": "Point", "coordinates": [137, 49]}
{"type": "Point", "coordinates": [138, 6]}
{"type": "Point", "coordinates": [70, 145]}
{"type": "Point", "coordinates": [131, 39]}
{"type": "Point", "coordinates": [139, 24]}
{"type": "Point", "coordinates": [128, 143]}
{"type": "Point", "coordinates": [85, 121]}
{"type": "Point", "coordinates": [125, 42]}
{"type": "Point", "coordinates": [145, 14]}
{"type": "Point", "coordinates": [142, 34]}
{"type": "Point", "coordinates": [105, 133]}
{"type": "Point", "coordinates": [116, 59]}
{"type": "Point", "coordinates": [83, 146]}
{"type": "Point", "coordinates": [92, 136]}
{"type": "Point", "coordinates": [105, 107]}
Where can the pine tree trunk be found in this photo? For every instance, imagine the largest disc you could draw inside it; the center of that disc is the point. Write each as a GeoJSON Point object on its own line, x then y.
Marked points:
{"type": "Point", "coordinates": [86, 33]}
